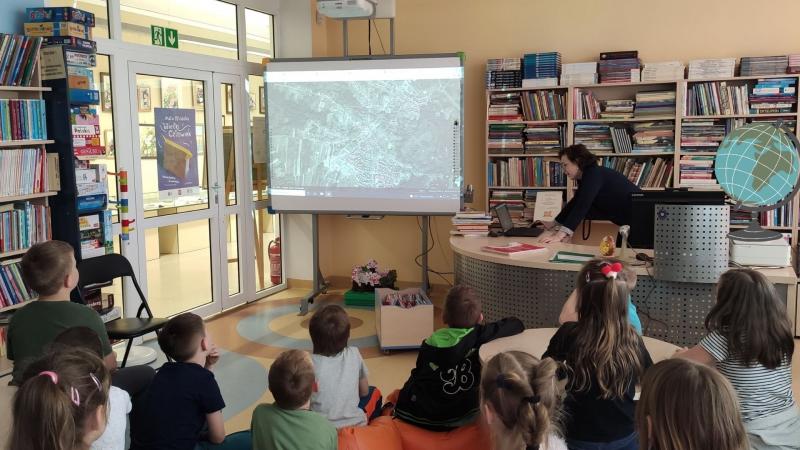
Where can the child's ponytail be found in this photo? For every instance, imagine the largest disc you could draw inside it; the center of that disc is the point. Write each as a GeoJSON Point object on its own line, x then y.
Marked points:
{"type": "Point", "coordinates": [524, 395]}
{"type": "Point", "coordinates": [60, 392]}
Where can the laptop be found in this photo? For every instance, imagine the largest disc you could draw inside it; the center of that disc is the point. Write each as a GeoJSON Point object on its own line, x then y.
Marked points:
{"type": "Point", "coordinates": [508, 225]}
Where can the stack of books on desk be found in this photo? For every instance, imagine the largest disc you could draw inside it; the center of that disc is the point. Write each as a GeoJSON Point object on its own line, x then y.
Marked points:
{"type": "Point", "coordinates": [471, 223]}
{"type": "Point", "coordinates": [541, 69]}
{"type": "Point", "coordinates": [579, 73]}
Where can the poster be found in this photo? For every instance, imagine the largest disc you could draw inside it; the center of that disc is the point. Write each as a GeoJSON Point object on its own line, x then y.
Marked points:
{"type": "Point", "coordinates": [176, 152]}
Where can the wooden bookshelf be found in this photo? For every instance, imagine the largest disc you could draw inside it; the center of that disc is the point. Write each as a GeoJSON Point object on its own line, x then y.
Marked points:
{"type": "Point", "coordinates": [628, 91]}
{"type": "Point", "coordinates": [33, 92]}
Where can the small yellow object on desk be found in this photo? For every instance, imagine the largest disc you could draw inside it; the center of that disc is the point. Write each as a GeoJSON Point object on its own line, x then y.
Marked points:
{"type": "Point", "coordinates": [607, 246]}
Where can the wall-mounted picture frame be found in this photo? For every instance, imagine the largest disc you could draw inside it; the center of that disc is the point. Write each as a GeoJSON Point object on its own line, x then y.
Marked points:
{"type": "Point", "coordinates": [262, 103]}
{"type": "Point", "coordinates": [198, 96]}
{"type": "Point", "coordinates": [147, 141]}
{"type": "Point", "coordinates": [144, 98]}
{"type": "Point", "coordinates": [105, 91]}
{"type": "Point", "coordinates": [108, 140]}
{"type": "Point", "coordinates": [229, 99]}
{"type": "Point", "coordinates": [171, 94]}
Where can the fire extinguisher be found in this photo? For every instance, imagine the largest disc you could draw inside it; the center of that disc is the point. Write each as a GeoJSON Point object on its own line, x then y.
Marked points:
{"type": "Point", "coordinates": [274, 252]}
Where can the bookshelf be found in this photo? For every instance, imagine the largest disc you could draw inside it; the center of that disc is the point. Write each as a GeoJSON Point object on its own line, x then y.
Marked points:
{"type": "Point", "coordinates": [28, 180]}
{"type": "Point", "coordinates": [680, 119]}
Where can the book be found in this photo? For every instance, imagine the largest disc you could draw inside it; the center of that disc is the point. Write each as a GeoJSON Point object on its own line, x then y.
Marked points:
{"type": "Point", "coordinates": [513, 249]}
{"type": "Point", "coordinates": [18, 58]}
{"type": "Point", "coordinates": [85, 127]}
{"type": "Point", "coordinates": [571, 257]}
{"type": "Point", "coordinates": [22, 120]}
{"type": "Point", "coordinates": [548, 205]}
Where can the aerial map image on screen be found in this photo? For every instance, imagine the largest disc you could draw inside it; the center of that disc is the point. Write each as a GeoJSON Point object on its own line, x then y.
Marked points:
{"type": "Point", "coordinates": [376, 134]}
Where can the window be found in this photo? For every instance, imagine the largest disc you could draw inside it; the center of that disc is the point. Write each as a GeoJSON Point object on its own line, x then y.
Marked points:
{"type": "Point", "coordinates": [259, 29]}
{"type": "Point", "coordinates": [207, 27]}
{"type": "Point", "coordinates": [98, 7]}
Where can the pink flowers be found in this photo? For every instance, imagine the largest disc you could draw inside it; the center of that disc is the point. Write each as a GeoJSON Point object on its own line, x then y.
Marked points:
{"type": "Point", "coordinates": [368, 275]}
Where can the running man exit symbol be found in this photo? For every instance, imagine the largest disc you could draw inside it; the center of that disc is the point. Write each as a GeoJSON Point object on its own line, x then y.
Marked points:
{"type": "Point", "coordinates": [171, 36]}
{"type": "Point", "coordinates": [157, 35]}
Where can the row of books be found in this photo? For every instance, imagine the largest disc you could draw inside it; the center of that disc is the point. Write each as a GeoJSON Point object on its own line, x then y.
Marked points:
{"type": "Point", "coordinates": [586, 105]}
{"type": "Point", "coordinates": [545, 138]}
{"type": "Point", "coordinates": [643, 172]}
{"type": "Point", "coordinates": [13, 289]}
{"type": "Point", "coordinates": [617, 109]}
{"type": "Point", "coordinates": [543, 105]}
{"type": "Point", "coordinates": [22, 119]}
{"type": "Point", "coordinates": [705, 135]}
{"type": "Point", "coordinates": [619, 67]}
{"type": "Point", "coordinates": [18, 58]}
{"type": "Point", "coordinates": [655, 103]}
{"type": "Point", "coordinates": [526, 171]}
{"type": "Point", "coordinates": [23, 224]}
{"type": "Point", "coordinates": [517, 138]}
{"type": "Point", "coordinates": [647, 137]}
{"type": "Point", "coordinates": [506, 138]}
{"type": "Point", "coordinates": [505, 106]}
{"type": "Point", "coordinates": [471, 223]}
{"type": "Point", "coordinates": [779, 217]}
{"type": "Point", "coordinates": [24, 171]}
{"type": "Point", "coordinates": [697, 171]}
{"type": "Point", "coordinates": [716, 98]}
{"type": "Point", "coordinates": [773, 95]}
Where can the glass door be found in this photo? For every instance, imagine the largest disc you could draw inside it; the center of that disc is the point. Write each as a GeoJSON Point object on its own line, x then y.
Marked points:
{"type": "Point", "coordinates": [180, 190]}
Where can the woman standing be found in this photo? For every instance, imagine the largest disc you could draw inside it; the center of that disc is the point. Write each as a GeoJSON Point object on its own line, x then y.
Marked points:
{"type": "Point", "coordinates": [602, 194]}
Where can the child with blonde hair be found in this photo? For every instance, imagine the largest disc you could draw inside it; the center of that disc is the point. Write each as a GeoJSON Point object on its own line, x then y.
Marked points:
{"type": "Point", "coordinates": [521, 400]}
{"type": "Point", "coordinates": [688, 406]}
{"type": "Point", "coordinates": [606, 357]}
{"type": "Point", "coordinates": [750, 341]}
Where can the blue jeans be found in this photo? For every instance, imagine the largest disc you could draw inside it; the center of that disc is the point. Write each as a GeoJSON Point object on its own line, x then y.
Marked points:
{"type": "Point", "coordinates": [627, 443]}
{"type": "Point", "coordinates": [242, 440]}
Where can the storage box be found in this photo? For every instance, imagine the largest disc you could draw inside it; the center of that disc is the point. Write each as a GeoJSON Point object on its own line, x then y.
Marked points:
{"type": "Point", "coordinates": [402, 328]}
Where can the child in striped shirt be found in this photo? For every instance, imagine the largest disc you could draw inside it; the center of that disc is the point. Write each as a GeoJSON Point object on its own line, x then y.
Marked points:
{"type": "Point", "coordinates": [750, 341]}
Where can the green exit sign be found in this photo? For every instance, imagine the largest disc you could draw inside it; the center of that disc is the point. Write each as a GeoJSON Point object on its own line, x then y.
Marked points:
{"type": "Point", "coordinates": [163, 36]}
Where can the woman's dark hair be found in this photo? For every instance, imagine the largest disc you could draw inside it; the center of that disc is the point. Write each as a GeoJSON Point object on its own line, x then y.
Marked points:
{"type": "Point", "coordinates": [752, 318]}
{"type": "Point", "coordinates": [580, 155]}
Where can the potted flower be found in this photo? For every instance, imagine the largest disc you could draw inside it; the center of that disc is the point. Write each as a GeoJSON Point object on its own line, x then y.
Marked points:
{"type": "Point", "coordinates": [368, 277]}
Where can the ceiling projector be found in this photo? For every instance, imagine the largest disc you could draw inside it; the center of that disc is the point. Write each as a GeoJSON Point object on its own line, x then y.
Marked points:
{"type": "Point", "coordinates": [355, 9]}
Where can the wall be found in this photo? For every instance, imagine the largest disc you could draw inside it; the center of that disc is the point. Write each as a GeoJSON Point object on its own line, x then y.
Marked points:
{"type": "Point", "coordinates": [580, 30]}
{"type": "Point", "coordinates": [12, 14]}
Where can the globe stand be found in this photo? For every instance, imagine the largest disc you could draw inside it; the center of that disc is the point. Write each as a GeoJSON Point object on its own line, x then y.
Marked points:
{"type": "Point", "coordinates": [754, 232]}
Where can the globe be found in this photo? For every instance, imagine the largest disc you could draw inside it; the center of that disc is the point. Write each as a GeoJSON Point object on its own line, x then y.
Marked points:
{"type": "Point", "coordinates": [758, 166]}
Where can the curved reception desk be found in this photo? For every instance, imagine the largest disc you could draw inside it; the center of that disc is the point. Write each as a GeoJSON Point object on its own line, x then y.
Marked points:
{"type": "Point", "coordinates": [534, 289]}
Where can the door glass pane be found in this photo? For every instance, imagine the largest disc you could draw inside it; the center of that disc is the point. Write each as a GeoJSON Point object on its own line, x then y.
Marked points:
{"type": "Point", "coordinates": [172, 141]}
{"type": "Point", "coordinates": [228, 142]}
{"type": "Point", "coordinates": [258, 137]}
{"type": "Point", "coordinates": [267, 231]}
{"type": "Point", "coordinates": [97, 7]}
{"type": "Point", "coordinates": [178, 267]}
{"type": "Point", "coordinates": [260, 43]}
{"type": "Point", "coordinates": [232, 241]}
{"type": "Point", "coordinates": [207, 27]}
{"type": "Point", "coordinates": [105, 113]}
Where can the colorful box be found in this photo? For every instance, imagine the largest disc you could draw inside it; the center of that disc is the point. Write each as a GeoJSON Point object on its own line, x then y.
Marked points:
{"type": "Point", "coordinates": [60, 14]}
{"type": "Point", "coordinates": [70, 41]}
{"type": "Point", "coordinates": [43, 29]}
{"type": "Point", "coordinates": [402, 328]}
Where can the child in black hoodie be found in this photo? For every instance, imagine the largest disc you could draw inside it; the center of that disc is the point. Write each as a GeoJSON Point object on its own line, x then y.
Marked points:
{"type": "Point", "coordinates": [443, 390]}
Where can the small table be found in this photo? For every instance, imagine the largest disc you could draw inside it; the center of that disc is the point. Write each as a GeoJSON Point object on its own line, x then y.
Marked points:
{"type": "Point", "coordinates": [534, 342]}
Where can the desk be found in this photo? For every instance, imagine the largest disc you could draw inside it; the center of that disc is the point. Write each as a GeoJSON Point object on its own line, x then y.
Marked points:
{"type": "Point", "coordinates": [534, 289]}
{"type": "Point", "coordinates": [534, 342]}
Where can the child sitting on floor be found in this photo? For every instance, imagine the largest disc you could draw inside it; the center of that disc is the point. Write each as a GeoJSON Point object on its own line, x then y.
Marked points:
{"type": "Point", "coordinates": [289, 424]}
{"type": "Point", "coordinates": [521, 400]}
{"type": "Point", "coordinates": [606, 357]}
{"type": "Point", "coordinates": [442, 392]}
{"type": "Point", "coordinates": [688, 406]}
{"type": "Point", "coordinates": [63, 406]}
{"type": "Point", "coordinates": [183, 407]}
{"type": "Point", "coordinates": [569, 312]}
{"type": "Point", "coordinates": [343, 395]}
{"type": "Point", "coordinates": [750, 341]}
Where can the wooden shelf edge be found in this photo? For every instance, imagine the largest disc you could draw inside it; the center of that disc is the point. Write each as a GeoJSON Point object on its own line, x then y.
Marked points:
{"type": "Point", "coordinates": [527, 187]}
{"type": "Point", "coordinates": [13, 253]}
{"type": "Point", "coordinates": [23, 143]}
{"type": "Point", "coordinates": [632, 119]}
{"type": "Point", "coordinates": [740, 116]}
{"type": "Point", "coordinates": [27, 196]}
{"type": "Point", "coordinates": [16, 306]}
{"type": "Point", "coordinates": [24, 89]}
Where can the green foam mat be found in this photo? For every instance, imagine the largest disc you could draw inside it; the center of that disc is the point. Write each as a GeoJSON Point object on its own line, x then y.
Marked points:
{"type": "Point", "coordinates": [364, 299]}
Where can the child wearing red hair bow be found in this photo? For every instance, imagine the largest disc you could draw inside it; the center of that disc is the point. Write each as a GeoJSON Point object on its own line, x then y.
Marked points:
{"type": "Point", "coordinates": [607, 358]}
{"type": "Point", "coordinates": [569, 312]}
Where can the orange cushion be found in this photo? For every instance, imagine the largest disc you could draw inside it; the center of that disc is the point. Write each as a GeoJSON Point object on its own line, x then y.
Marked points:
{"type": "Point", "coordinates": [385, 433]}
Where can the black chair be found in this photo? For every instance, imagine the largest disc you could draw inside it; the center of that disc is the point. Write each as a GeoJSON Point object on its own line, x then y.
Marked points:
{"type": "Point", "coordinates": [102, 270]}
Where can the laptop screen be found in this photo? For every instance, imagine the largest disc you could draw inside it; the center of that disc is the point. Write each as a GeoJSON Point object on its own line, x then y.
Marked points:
{"type": "Point", "coordinates": [504, 217]}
